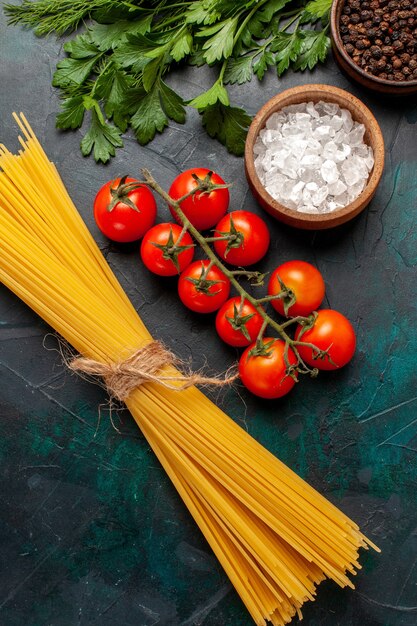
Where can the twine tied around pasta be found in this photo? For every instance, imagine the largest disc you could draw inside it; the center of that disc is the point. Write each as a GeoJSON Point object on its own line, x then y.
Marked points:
{"type": "Point", "coordinates": [144, 365]}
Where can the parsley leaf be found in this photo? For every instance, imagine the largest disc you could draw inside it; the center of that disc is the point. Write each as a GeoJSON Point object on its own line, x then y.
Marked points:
{"type": "Point", "coordinates": [102, 138]}
{"type": "Point", "coordinates": [227, 124]}
{"type": "Point", "coordinates": [220, 45]}
{"type": "Point", "coordinates": [172, 103]}
{"type": "Point", "coordinates": [203, 12]}
{"type": "Point", "coordinates": [149, 117]}
{"type": "Point", "coordinates": [182, 46]}
{"type": "Point", "coordinates": [316, 10]}
{"type": "Point", "coordinates": [136, 52]}
{"type": "Point", "coordinates": [238, 70]}
{"type": "Point", "coordinates": [72, 113]}
{"type": "Point", "coordinates": [77, 67]}
{"type": "Point", "coordinates": [111, 86]}
{"type": "Point", "coordinates": [314, 47]}
{"type": "Point", "coordinates": [110, 36]}
{"type": "Point", "coordinates": [288, 47]}
{"type": "Point", "coordinates": [216, 93]}
{"type": "Point", "coordinates": [265, 59]}
{"type": "Point", "coordinates": [152, 110]}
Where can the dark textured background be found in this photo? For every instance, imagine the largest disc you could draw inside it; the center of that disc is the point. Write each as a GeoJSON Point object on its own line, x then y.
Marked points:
{"type": "Point", "coordinates": [92, 532]}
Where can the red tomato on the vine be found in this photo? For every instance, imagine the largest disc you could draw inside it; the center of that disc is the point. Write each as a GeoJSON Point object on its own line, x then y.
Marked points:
{"type": "Point", "coordinates": [156, 251]}
{"type": "Point", "coordinates": [333, 332]}
{"type": "Point", "coordinates": [238, 325]}
{"type": "Point", "coordinates": [251, 238]}
{"type": "Point", "coordinates": [201, 289]}
{"type": "Point", "coordinates": [124, 209]}
{"type": "Point", "coordinates": [266, 375]}
{"type": "Point", "coordinates": [202, 209]}
{"type": "Point", "coordinates": [305, 287]}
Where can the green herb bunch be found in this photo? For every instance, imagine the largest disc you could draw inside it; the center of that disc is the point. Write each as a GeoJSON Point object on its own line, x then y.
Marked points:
{"type": "Point", "coordinates": [116, 68]}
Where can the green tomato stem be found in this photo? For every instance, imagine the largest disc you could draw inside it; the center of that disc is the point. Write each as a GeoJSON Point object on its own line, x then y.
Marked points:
{"type": "Point", "coordinates": [231, 274]}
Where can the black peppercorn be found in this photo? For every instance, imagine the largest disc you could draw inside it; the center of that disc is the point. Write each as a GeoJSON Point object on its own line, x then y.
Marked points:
{"type": "Point", "coordinates": [381, 37]}
{"type": "Point", "coordinates": [376, 52]}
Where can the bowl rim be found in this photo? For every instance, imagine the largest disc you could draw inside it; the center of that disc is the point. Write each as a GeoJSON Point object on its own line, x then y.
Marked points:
{"type": "Point", "coordinates": [336, 9]}
{"type": "Point", "coordinates": [372, 127]}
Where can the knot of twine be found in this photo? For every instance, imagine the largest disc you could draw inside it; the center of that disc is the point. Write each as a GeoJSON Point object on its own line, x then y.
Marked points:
{"type": "Point", "coordinates": [143, 366]}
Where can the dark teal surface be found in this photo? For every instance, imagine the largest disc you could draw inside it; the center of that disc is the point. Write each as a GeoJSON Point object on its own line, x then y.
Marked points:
{"type": "Point", "coordinates": [92, 532]}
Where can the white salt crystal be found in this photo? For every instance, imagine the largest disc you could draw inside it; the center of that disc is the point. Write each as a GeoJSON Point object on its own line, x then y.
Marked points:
{"type": "Point", "coordinates": [330, 150]}
{"type": "Point", "coordinates": [336, 188]}
{"type": "Point", "coordinates": [369, 159]}
{"type": "Point", "coordinates": [350, 172]}
{"type": "Point", "coordinates": [275, 119]}
{"type": "Point", "coordinates": [319, 196]}
{"type": "Point", "coordinates": [311, 161]}
{"type": "Point", "coordinates": [289, 130]}
{"type": "Point", "coordinates": [331, 108]}
{"type": "Point", "coordinates": [329, 171]}
{"type": "Point", "coordinates": [287, 188]}
{"type": "Point", "coordinates": [307, 175]}
{"type": "Point", "coordinates": [290, 167]}
{"type": "Point", "coordinates": [336, 123]}
{"type": "Point", "coordinates": [280, 157]}
{"type": "Point", "coordinates": [307, 208]}
{"type": "Point", "coordinates": [356, 135]}
{"type": "Point", "coordinates": [313, 146]}
{"type": "Point", "coordinates": [297, 146]}
{"type": "Point", "coordinates": [347, 119]}
{"type": "Point", "coordinates": [323, 133]}
{"type": "Point", "coordinates": [311, 110]}
{"type": "Point", "coordinates": [297, 193]}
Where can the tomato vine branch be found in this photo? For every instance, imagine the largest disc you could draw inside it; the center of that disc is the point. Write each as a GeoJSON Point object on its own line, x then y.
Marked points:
{"type": "Point", "coordinates": [205, 186]}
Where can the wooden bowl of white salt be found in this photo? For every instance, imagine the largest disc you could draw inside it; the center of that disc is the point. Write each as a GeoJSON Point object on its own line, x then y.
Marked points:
{"type": "Point", "coordinates": [314, 156]}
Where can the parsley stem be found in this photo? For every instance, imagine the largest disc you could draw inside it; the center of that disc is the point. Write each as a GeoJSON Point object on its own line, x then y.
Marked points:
{"type": "Point", "coordinates": [247, 19]}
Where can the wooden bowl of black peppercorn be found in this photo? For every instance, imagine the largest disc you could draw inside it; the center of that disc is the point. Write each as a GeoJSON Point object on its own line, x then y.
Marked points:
{"type": "Point", "coordinates": [375, 43]}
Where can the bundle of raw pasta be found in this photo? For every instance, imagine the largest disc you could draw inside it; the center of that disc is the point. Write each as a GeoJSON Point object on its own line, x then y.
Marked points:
{"type": "Point", "coordinates": [275, 536]}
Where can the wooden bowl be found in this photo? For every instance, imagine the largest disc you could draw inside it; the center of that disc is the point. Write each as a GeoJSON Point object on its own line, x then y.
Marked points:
{"type": "Point", "coordinates": [353, 71]}
{"type": "Point", "coordinates": [373, 137]}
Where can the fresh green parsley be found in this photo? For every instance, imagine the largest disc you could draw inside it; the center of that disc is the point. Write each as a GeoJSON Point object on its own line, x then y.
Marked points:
{"type": "Point", "coordinates": [114, 74]}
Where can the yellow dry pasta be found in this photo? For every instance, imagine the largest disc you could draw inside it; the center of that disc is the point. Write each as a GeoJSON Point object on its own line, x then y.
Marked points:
{"type": "Point", "coordinates": [275, 536]}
